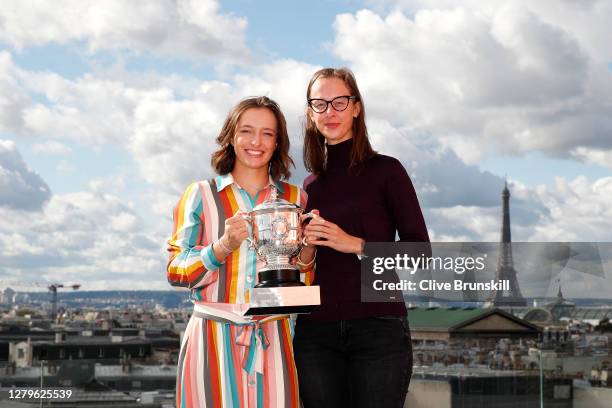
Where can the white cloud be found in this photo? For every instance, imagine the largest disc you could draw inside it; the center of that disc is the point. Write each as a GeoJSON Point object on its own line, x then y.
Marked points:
{"type": "Point", "coordinates": [486, 77]}
{"type": "Point", "coordinates": [570, 210]}
{"type": "Point", "coordinates": [13, 97]}
{"type": "Point", "coordinates": [580, 210]}
{"type": "Point", "coordinates": [192, 28]}
{"type": "Point", "coordinates": [174, 139]}
{"type": "Point", "coordinates": [20, 186]}
{"type": "Point", "coordinates": [52, 147]}
{"type": "Point", "coordinates": [441, 179]}
{"type": "Point", "coordinates": [110, 184]}
{"type": "Point", "coordinates": [14, 244]}
{"type": "Point", "coordinates": [166, 130]}
{"type": "Point", "coordinates": [87, 110]}
{"type": "Point", "coordinates": [462, 223]}
{"type": "Point", "coordinates": [123, 222]}
{"type": "Point", "coordinates": [594, 156]}
{"type": "Point", "coordinates": [442, 89]}
{"type": "Point", "coordinates": [93, 239]}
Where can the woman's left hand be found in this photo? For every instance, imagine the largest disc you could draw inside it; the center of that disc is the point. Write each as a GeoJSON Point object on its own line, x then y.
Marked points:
{"type": "Point", "coordinates": [325, 233]}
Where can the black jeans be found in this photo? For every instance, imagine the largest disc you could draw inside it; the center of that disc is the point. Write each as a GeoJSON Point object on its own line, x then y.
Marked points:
{"type": "Point", "coordinates": [354, 363]}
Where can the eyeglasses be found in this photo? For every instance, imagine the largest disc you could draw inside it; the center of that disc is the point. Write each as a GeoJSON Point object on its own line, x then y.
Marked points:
{"type": "Point", "coordinates": [339, 103]}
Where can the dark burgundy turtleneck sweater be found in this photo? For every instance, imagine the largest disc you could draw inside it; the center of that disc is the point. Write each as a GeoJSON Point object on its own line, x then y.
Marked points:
{"type": "Point", "coordinates": [372, 202]}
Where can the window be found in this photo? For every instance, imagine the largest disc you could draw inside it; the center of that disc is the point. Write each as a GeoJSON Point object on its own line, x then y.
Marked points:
{"type": "Point", "coordinates": [20, 353]}
{"type": "Point", "coordinates": [62, 353]}
{"type": "Point", "coordinates": [100, 352]}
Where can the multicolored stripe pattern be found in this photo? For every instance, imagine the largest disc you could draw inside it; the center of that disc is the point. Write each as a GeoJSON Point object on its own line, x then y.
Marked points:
{"type": "Point", "coordinates": [210, 370]}
{"type": "Point", "coordinates": [199, 221]}
{"type": "Point", "coordinates": [216, 366]}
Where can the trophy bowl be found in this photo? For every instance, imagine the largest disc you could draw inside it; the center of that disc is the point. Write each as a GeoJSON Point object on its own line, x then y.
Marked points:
{"type": "Point", "coordinates": [276, 236]}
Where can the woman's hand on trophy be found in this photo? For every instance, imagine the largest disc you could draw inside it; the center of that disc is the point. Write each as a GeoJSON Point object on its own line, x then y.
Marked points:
{"type": "Point", "coordinates": [325, 233]}
{"type": "Point", "coordinates": [236, 231]}
{"type": "Point", "coordinates": [307, 239]}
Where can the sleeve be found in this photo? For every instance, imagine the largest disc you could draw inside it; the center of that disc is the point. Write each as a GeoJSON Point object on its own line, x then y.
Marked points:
{"type": "Point", "coordinates": [404, 206]}
{"type": "Point", "coordinates": [303, 198]}
{"type": "Point", "coordinates": [190, 259]}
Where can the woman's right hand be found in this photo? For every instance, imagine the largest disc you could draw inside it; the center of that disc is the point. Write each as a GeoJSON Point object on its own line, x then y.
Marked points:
{"type": "Point", "coordinates": [236, 231]}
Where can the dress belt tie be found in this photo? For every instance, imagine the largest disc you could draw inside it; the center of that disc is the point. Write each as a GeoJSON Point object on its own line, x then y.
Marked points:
{"type": "Point", "coordinates": [251, 334]}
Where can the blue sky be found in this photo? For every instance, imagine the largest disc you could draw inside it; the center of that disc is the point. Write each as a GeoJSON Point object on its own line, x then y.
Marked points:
{"type": "Point", "coordinates": [108, 106]}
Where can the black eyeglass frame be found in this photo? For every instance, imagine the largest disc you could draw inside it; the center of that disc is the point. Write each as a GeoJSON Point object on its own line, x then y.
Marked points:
{"type": "Point", "coordinates": [327, 103]}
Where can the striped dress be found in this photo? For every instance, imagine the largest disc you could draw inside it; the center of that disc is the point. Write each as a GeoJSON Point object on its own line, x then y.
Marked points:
{"type": "Point", "coordinates": [223, 362]}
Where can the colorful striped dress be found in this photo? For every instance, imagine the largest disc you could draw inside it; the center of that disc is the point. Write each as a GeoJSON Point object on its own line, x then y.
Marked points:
{"type": "Point", "coordinates": [224, 362]}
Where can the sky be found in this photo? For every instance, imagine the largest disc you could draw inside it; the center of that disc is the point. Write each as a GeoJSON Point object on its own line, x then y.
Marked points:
{"type": "Point", "coordinates": [108, 110]}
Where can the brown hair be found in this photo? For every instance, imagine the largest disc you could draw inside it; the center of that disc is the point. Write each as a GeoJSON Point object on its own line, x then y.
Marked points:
{"type": "Point", "coordinates": [314, 141]}
{"type": "Point", "coordinates": [224, 159]}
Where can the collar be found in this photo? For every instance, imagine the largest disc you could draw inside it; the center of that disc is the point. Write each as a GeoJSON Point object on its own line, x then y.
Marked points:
{"type": "Point", "coordinates": [225, 180]}
{"type": "Point", "coordinates": [339, 155]}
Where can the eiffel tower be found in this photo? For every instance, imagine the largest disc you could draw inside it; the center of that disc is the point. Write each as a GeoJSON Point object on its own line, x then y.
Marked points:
{"type": "Point", "coordinates": [505, 265]}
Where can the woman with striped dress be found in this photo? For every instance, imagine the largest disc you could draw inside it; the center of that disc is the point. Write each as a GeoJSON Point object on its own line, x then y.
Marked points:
{"type": "Point", "coordinates": [227, 360]}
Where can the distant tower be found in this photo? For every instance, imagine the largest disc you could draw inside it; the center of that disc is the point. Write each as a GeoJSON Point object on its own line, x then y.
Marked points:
{"type": "Point", "coordinates": [560, 307]}
{"type": "Point", "coordinates": [505, 265]}
{"type": "Point", "coordinates": [8, 296]}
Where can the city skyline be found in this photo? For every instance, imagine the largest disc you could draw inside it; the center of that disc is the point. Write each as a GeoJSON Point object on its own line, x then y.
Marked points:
{"type": "Point", "coordinates": [110, 110]}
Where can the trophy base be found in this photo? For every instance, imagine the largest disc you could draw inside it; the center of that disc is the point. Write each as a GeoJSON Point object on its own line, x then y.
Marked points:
{"type": "Point", "coordinates": [279, 278]}
{"type": "Point", "coordinates": [283, 300]}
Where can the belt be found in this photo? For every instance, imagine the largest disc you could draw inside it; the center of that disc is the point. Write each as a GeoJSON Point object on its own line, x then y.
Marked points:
{"type": "Point", "coordinates": [251, 334]}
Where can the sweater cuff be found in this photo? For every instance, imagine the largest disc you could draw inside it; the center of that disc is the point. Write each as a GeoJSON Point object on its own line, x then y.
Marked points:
{"type": "Point", "coordinates": [362, 254]}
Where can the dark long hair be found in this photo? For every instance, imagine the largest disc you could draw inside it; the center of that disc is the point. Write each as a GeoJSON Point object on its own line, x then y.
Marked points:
{"type": "Point", "coordinates": [315, 157]}
{"type": "Point", "coordinates": [224, 159]}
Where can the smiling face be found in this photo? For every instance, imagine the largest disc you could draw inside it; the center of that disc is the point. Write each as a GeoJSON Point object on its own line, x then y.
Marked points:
{"type": "Point", "coordinates": [335, 126]}
{"type": "Point", "coordinates": [255, 139]}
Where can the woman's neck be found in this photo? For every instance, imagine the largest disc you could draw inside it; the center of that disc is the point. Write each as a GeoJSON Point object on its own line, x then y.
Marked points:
{"type": "Point", "coordinates": [252, 180]}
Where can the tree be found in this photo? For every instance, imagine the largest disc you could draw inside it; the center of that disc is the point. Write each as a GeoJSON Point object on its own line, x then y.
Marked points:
{"type": "Point", "coordinates": [604, 326]}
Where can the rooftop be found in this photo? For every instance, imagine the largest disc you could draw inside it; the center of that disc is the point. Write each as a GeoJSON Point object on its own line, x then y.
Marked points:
{"type": "Point", "coordinates": [135, 370]}
{"type": "Point", "coordinates": [441, 318]}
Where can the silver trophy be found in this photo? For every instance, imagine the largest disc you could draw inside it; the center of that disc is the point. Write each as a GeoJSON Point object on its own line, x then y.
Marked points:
{"type": "Point", "coordinates": [276, 236]}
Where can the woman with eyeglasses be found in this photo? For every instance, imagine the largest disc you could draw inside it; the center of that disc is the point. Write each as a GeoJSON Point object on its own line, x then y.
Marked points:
{"type": "Point", "coordinates": [227, 360]}
{"type": "Point", "coordinates": [351, 353]}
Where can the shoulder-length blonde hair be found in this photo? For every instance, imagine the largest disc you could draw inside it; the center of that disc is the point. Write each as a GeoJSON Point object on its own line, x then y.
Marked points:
{"type": "Point", "coordinates": [315, 158]}
{"type": "Point", "coordinates": [224, 159]}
